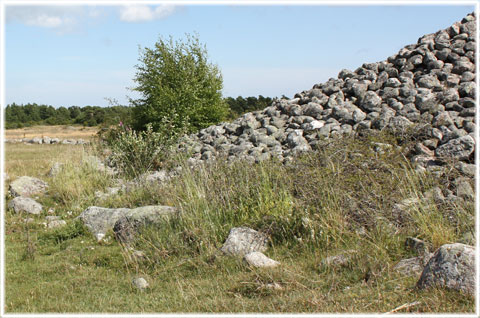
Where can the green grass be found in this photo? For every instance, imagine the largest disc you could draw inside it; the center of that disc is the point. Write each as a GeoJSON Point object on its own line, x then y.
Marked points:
{"type": "Point", "coordinates": [337, 199]}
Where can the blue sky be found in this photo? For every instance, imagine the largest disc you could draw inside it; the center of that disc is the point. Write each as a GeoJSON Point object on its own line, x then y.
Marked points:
{"type": "Point", "coordinates": [81, 55]}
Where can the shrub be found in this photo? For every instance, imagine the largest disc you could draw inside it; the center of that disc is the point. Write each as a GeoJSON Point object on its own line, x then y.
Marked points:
{"type": "Point", "coordinates": [180, 89]}
{"type": "Point", "coordinates": [135, 153]}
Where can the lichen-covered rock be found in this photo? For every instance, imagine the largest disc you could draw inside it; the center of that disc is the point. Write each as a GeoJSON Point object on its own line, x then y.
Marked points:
{"type": "Point", "coordinates": [460, 148]}
{"type": "Point", "coordinates": [452, 266]}
{"type": "Point", "coordinates": [128, 225]}
{"type": "Point", "coordinates": [27, 186]}
{"type": "Point", "coordinates": [100, 220]}
{"type": "Point", "coordinates": [243, 240]}
{"type": "Point", "coordinates": [25, 204]}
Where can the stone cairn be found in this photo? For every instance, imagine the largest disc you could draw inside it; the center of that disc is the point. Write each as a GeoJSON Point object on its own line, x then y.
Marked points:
{"type": "Point", "coordinates": [429, 84]}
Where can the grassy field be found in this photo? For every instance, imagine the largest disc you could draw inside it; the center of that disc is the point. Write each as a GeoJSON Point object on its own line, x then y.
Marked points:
{"type": "Point", "coordinates": [334, 200]}
{"type": "Point", "coordinates": [62, 132]}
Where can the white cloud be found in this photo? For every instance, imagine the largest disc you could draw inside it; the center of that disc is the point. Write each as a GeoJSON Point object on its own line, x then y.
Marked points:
{"type": "Point", "coordinates": [143, 13]}
{"type": "Point", "coordinates": [62, 19]}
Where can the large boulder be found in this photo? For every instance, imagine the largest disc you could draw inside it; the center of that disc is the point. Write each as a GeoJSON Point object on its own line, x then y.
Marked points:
{"type": "Point", "coordinates": [127, 226]}
{"type": "Point", "coordinates": [27, 187]}
{"type": "Point", "coordinates": [243, 240]}
{"type": "Point", "coordinates": [25, 204]}
{"type": "Point", "coordinates": [100, 220]}
{"type": "Point", "coordinates": [452, 266]}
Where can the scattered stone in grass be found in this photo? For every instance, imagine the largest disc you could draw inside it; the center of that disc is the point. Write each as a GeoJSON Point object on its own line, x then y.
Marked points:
{"type": "Point", "coordinates": [110, 191]}
{"type": "Point", "coordinates": [56, 223]}
{"type": "Point", "coordinates": [243, 240]}
{"type": "Point", "coordinates": [28, 220]}
{"type": "Point", "coordinates": [128, 225]}
{"type": "Point", "coordinates": [417, 245]}
{"type": "Point", "coordinates": [339, 260]}
{"type": "Point", "coordinates": [401, 210]}
{"type": "Point", "coordinates": [452, 266]}
{"type": "Point", "coordinates": [435, 194]}
{"type": "Point", "coordinates": [24, 204]}
{"type": "Point", "coordinates": [140, 283]}
{"type": "Point", "coordinates": [258, 259]}
{"type": "Point", "coordinates": [139, 255]}
{"type": "Point", "coordinates": [50, 218]}
{"type": "Point", "coordinates": [55, 169]}
{"type": "Point", "coordinates": [98, 165]}
{"type": "Point", "coordinates": [274, 286]}
{"type": "Point", "coordinates": [412, 266]}
{"type": "Point", "coordinates": [27, 186]}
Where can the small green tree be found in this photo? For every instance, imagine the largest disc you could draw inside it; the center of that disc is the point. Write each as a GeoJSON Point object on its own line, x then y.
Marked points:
{"type": "Point", "coordinates": [180, 89]}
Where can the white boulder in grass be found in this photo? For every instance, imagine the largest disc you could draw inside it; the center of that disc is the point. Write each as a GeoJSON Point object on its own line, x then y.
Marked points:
{"type": "Point", "coordinates": [243, 240]}
{"type": "Point", "coordinates": [258, 259]}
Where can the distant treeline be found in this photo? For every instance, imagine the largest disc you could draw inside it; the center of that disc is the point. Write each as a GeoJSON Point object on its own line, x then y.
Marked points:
{"type": "Point", "coordinates": [18, 116]}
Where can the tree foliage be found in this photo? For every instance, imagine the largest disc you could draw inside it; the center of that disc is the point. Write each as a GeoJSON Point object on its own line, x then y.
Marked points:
{"type": "Point", "coordinates": [180, 89]}
{"type": "Point", "coordinates": [18, 116]}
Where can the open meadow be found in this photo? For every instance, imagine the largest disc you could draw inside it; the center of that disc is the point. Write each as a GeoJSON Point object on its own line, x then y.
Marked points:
{"type": "Point", "coordinates": [335, 201]}
{"type": "Point", "coordinates": [62, 132]}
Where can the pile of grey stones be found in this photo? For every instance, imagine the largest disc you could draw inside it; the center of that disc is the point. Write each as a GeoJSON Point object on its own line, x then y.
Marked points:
{"type": "Point", "coordinates": [429, 84]}
{"type": "Point", "coordinates": [47, 141]}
